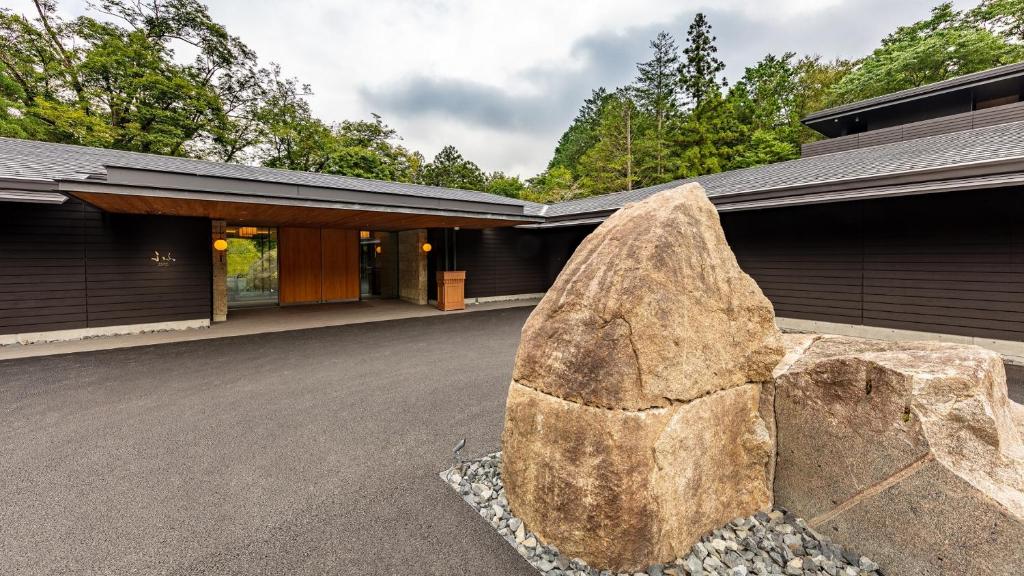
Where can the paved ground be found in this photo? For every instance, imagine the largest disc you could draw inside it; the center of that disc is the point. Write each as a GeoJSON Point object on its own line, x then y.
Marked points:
{"type": "Point", "coordinates": [250, 321]}
{"type": "Point", "coordinates": [304, 452]}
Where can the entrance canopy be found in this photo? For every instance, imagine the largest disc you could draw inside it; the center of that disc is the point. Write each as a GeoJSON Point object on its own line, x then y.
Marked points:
{"type": "Point", "coordinates": [258, 211]}
{"type": "Point", "coordinates": [133, 183]}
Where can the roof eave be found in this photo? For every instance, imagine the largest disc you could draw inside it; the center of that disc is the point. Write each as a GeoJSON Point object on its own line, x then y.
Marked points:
{"type": "Point", "coordinates": [143, 177]}
{"type": "Point", "coordinates": [998, 74]}
{"type": "Point", "coordinates": [440, 208]}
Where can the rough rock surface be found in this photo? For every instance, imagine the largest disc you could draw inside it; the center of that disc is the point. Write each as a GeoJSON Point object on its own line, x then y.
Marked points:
{"type": "Point", "coordinates": [636, 420]}
{"type": "Point", "coordinates": [910, 451]}
{"type": "Point", "coordinates": [651, 308]}
{"type": "Point", "coordinates": [772, 543]}
{"type": "Point", "coordinates": [622, 488]}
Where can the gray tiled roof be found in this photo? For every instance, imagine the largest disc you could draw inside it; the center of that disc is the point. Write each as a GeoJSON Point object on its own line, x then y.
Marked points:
{"type": "Point", "coordinates": [47, 161]}
{"type": "Point", "coordinates": [966, 79]}
{"type": "Point", "coordinates": [991, 143]}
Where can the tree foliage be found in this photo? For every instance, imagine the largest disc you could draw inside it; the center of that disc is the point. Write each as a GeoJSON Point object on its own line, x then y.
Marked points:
{"type": "Point", "coordinates": [117, 77]}
{"type": "Point", "coordinates": [115, 80]}
{"type": "Point", "coordinates": [654, 131]}
{"type": "Point", "coordinates": [451, 170]}
{"type": "Point", "coordinates": [581, 134]}
{"type": "Point", "coordinates": [949, 43]}
{"type": "Point", "coordinates": [700, 69]}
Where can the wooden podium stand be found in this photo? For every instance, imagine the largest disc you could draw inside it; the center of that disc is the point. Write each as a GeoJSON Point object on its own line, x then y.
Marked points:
{"type": "Point", "coordinates": [451, 290]}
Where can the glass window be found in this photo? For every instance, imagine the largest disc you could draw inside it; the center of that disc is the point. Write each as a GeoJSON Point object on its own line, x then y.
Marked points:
{"type": "Point", "coordinates": [378, 264]}
{"type": "Point", "coordinates": [252, 266]}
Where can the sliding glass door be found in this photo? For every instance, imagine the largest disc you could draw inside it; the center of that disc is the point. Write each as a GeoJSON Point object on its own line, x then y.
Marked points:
{"type": "Point", "coordinates": [252, 266]}
{"type": "Point", "coordinates": [378, 264]}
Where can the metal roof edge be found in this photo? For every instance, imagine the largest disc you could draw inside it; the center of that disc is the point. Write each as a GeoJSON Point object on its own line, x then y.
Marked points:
{"type": "Point", "coordinates": [917, 92]}
{"type": "Point", "coordinates": [170, 180]}
{"type": "Point", "coordinates": [729, 202]}
{"type": "Point", "coordinates": [484, 196]}
{"type": "Point", "coordinates": [73, 186]}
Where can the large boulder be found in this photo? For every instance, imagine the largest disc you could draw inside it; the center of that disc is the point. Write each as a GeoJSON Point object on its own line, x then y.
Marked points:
{"type": "Point", "coordinates": [910, 453]}
{"type": "Point", "coordinates": [636, 416]}
{"type": "Point", "coordinates": [651, 309]}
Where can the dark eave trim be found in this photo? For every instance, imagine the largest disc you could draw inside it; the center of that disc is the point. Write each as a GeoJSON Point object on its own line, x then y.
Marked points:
{"type": "Point", "coordinates": [966, 177]}
{"type": "Point", "coordinates": [32, 196]}
{"type": "Point", "coordinates": [955, 172]}
{"type": "Point", "coordinates": [441, 209]}
{"type": "Point", "coordinates": [979, 183]}
{"type": "Point", "coordinates": [912, 94]}
{"type": "Point", "coordinates": [232, 186]}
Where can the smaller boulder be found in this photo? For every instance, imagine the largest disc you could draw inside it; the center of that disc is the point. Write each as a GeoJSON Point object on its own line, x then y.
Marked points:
{"type": "Point", "coordinates": [910, 452]}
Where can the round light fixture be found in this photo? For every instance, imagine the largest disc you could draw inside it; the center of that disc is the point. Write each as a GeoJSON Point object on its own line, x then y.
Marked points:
{"type": "Point", "coordinates": [220, 245]}
{"type": "Point", "coordinates": [427, 247]}
{"type": "Point", "coordinates": [377, 250]}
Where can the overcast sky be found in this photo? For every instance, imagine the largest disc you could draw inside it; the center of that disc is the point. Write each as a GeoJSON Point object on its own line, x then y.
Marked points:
{"type": "Point", "coordinates": [501, 80]}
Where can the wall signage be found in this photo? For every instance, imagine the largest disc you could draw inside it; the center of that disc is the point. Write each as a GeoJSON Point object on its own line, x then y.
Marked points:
{"type": "Point", "coordinates": [162, 260]}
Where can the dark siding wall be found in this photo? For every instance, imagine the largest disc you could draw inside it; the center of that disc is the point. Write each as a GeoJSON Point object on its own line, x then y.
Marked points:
{"type": "Point", "coordinates": [126, 287]}
{"type": "Point", "coordinates": [505, 261]}
{"type": "Point", "coordinates": [1015, 382]}
{"type": "Point", "coordinates": [807, 260]}
{"type": "Point", "coordinates": [949, 263]}
{"type": "Point", "coordinates": [42, 267]}
{"type": "Point", "coordinates": [901, 132]}
{"type": "Point", "coordinates": [73, 266]}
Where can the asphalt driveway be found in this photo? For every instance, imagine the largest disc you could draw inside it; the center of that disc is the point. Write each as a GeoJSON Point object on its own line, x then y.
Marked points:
{"type": "Point", "coordinates": [307, 452]}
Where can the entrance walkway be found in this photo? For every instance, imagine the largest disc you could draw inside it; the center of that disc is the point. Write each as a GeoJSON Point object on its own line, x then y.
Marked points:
{"type": "Point", "coordinates": [259, 321]}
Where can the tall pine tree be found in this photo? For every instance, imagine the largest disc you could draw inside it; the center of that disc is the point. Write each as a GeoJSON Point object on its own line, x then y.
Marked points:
{"type": "Point", "coordinates": [581, 134]}
{"type": "Point", "coordinates": [657, 90]}
{"type": "Point", "coordinates": [613, 163]}
{"type": "Point", "coordinates": [700, 69]}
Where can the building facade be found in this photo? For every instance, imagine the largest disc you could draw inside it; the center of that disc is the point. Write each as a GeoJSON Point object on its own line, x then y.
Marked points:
{"type": "Point", "coordinates": [906, 221]}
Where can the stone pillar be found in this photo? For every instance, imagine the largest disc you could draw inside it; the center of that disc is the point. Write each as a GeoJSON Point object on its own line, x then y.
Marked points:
{"type": "Point", "coordinates": [220, 272]}
{"type": "Point", "coordinates": [412, 266]}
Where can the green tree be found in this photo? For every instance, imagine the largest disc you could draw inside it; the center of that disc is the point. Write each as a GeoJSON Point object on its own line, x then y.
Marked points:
{"type": "Point", "coordinates": [243, 255]}
{"type": "Point", "coordinates": [1003, 17]}
{"type": "Point", "coordinates": [555, 184]}
{"type": "Point", "coordinates": [450, 170]}
{"type": "Point", "coordinates": [816, 80]}
{"type": "Point", "coordinates": [116, 82]}
{"type": "Point", "coordinates": [292, 138]}
{"type": "Point", "coordinates": [709, 138]}
{"type": "Point", "coordinates": [700, 69]}
{"type": "Point", "coordinates": [766, 103]}
{"type": "Point", "coordinates": [498, 183]}
{"type": "Point", "coordinates": [368, 149]}
{"type": "Point", "coordinates": [657, 90]}
{"type": "Point", "coordinates": [949, 43]}
{"type": "Point", "coordinates": [581, 134]}
{"type": "Point", "coordinates": [615, 161]}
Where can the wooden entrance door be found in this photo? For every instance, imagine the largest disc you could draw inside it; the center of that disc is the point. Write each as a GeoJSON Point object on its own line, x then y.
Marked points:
{"type": "Point", "coordinates": [318, 265]}
{"type": "Point", "coordinates": [341, 264]}
{"type": "Point", "coordinates": [300, 264]}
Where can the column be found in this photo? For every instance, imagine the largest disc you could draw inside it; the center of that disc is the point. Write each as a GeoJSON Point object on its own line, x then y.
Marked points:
{"type": "Point", "coordinates": [220, 272]}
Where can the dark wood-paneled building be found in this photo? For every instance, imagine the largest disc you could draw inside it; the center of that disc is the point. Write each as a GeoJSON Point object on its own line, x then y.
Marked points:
{"type": "Point", "coordinates": [906, 221]}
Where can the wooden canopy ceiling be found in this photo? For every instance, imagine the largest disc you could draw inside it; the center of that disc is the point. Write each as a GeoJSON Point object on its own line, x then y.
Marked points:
{"type": "Point", "coordinates": [283, 215]}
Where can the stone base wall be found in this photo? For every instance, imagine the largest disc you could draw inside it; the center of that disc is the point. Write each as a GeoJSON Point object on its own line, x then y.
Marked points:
{"type": "Point", "coordinates": [218, 229]}
{"type": "Point", "coordinates": [412, 266]}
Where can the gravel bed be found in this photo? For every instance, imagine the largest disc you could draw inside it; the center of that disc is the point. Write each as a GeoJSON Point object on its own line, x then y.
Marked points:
{"type": "Point", "coordinates": [766, 543]}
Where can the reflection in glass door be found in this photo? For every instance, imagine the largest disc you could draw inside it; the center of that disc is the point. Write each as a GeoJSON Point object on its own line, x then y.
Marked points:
{"type": "Point", "coordinates": [252, 266]}
{"type": "Point", "coordinates": [378, 264]}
